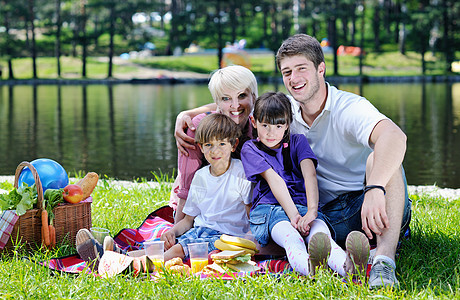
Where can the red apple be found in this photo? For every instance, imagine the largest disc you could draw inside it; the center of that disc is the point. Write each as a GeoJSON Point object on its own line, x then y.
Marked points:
{"type": "Point", "coordinates": [73, 193]}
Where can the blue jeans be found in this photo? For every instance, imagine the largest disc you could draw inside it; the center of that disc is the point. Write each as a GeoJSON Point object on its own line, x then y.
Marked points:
{"type": "Point", "coordinates": [199, 235]}
{"type": "Point", "coordinates": [344, 214]}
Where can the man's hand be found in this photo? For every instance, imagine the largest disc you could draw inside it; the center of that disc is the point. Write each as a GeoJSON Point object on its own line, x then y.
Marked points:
{"type": "Point", "coordinates": [373, 213]}
{"type": "Point", "coordinates": [183, 141]}
{"type": "Point", "coordinates": [303, 226]}
{"type": "Point", "coordinates": [169, 238]}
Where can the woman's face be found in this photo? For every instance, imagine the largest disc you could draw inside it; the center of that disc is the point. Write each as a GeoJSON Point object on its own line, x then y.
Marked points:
{"type": "Point", "coordinates": [237, 105]}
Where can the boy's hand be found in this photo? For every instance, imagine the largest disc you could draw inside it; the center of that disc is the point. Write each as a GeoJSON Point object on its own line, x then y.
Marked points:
{"type": "Point", "coordinates": [303, 226]}
{"type": "Point", "coordinates": [169, 237]}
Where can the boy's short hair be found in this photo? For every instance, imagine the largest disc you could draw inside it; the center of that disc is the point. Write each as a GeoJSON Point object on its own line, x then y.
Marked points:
{"type": "Point", "coordinates": [301, 44]}
{"type": "Point", "coordinates": [217, 127]}
{"type": "Point", "coordinates": [235, 78]}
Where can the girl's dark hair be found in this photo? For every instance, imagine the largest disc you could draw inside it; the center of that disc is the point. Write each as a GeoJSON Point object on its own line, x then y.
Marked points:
{"type": "Point", "coordinates": [275, 108]}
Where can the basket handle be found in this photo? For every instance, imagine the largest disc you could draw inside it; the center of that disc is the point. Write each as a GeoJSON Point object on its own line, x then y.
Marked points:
{"type": "Point", "coordinates": [38, 183]}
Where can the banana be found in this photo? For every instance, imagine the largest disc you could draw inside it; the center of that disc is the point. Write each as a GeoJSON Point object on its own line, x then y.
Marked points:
{"type": "Point", "coordinates": [237, 241]}
{"type": "Point", "coordinates": [219, 244]}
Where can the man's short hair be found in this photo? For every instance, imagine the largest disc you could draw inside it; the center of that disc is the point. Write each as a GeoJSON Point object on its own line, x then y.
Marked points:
{"type": "Point", "coordinates": [217, 127]}
{"type": "Point", "coordinates": [301, 44]}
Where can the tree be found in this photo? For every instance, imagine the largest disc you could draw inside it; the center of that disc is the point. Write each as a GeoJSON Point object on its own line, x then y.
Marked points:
{"type": "Point", "coordinates": [33, 49]}
{"type": "Point", "coordinates": [112, 34]}
{"type": "Point", "coordinates": [376, 23]}
{"type": "Point", "coordinates": [422, 20]}
{"type": "Point", "coordinates": [83, 18]}
{"type": "Point", "coordinates": [58, 37]}
{"type": "Point", "coordinates": [6, 11]}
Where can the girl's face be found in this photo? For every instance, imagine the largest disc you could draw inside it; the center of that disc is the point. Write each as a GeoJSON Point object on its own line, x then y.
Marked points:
{"type": "Point", "coordinates": [270, 135]}
{"type": "Point", "coordinates": [237, 105]}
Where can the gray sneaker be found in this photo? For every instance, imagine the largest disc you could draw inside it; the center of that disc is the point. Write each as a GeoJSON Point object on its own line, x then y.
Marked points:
{"type": "Point", "coordinates": [319, 249]}
{"type": "Point", "coordinates": [382, 275]}
{"type": "Point", "coordinates": [358, 248]}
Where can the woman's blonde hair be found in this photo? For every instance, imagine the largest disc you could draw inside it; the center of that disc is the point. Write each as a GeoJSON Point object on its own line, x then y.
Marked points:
{"type": "Point", "coordinates": [232, 78]}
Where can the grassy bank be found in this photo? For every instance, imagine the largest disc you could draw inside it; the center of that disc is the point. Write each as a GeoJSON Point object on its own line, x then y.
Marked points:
{"type": "Point", "coordinates": [428, 264]}
{"type": "Point", "coordinates": [375, 64]}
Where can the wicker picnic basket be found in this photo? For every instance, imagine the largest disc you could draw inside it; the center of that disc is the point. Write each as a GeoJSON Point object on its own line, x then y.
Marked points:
{"type": "Point", "coordinates": [69, 218]}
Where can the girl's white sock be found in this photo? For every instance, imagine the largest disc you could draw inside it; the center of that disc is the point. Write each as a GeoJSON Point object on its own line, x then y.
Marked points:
{"type": "Point", "coordinates": [338, 256]}
{"type": "Point", "coordinates": [290, 239]}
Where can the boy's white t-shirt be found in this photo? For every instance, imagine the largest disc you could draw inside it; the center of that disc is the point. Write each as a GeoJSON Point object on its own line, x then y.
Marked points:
{"type": "Point", "coordinates": [219, 202]}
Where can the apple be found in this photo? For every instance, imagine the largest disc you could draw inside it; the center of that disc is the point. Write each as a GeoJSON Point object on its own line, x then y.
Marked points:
{"type": "Point", "coordinates": [73, 193]}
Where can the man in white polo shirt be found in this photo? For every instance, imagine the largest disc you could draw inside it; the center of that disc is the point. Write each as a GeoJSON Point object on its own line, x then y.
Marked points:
{"type": "Point", "coordinates": [360, 153]}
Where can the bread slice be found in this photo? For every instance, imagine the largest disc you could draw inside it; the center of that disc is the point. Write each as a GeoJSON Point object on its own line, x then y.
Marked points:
{"type": "Point", "coordinates": [244, 267]}
{"type": "Point", "coordinates": [213, 268]}
{"type": "Point", "coordinates": [227, 254]}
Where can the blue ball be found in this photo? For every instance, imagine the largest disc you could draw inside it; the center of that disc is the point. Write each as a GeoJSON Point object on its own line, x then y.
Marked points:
{"type": "Point", "coordinates": [52, 174]}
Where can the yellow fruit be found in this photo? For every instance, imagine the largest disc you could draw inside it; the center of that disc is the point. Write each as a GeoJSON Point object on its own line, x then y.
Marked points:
{"type": "Point", "coordinates": [237, 241]}
{"type": "Point", "coordinates": [219, 244]}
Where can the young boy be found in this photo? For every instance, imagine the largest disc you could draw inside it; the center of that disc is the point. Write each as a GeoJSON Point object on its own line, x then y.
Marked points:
{"type": "Point", "coordinates": [219, 198]}
{"type": "Point", "coordinates": [218, 201]}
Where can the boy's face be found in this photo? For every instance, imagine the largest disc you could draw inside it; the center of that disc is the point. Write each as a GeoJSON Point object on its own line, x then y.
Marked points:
{"type": "Point", "coordinates": [217, 153]}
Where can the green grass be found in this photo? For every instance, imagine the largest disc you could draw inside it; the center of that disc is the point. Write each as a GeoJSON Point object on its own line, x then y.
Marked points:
{"type": "Point", "coordinates": [428, 264]}
{"type": "Point", "coordinates": [375, 64]}
{"type": "Point", "coordinates": [71, 68]}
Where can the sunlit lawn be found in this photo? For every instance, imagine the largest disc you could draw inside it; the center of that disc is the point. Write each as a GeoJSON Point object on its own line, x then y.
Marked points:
{"type": "Point", "coordinates": [374, 64]}
{"type": "Point", "coordinates": [428, 264]}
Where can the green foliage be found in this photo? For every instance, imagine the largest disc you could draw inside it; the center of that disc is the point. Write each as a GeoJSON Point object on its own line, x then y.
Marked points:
{"type": "Point", "coordinates": [428, 263]}
{"type": "Point", "coordinates": [21, 199]}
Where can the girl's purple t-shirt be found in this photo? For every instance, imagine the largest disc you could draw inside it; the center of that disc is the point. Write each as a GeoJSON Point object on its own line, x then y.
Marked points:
{"type": "Point", "coordinates": [256, 161]}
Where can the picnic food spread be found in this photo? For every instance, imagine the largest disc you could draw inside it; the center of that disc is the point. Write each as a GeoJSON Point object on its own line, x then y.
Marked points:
{"type": "Point", "coordinates": [176, 265]}
{"type": "Point", "coordinates": [231, 261]}
{"type": "Point", "coordinates": [234, 243]}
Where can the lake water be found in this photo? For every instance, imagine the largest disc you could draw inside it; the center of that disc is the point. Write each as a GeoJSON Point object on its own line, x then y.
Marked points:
{"type": "Point", "coordinates": [126, 131]}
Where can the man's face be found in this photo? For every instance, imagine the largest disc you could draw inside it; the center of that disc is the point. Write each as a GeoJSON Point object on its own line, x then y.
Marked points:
{"type": "Point", "coordinates": [301, 78]}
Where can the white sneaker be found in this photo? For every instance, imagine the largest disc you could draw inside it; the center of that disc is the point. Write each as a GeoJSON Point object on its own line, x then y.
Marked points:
{"type": "Point", "coordinates": [382, 275]}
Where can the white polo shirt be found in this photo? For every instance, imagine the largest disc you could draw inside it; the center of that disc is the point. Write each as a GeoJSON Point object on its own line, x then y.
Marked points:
{"type": "Point", "coordinates": [339, 137]}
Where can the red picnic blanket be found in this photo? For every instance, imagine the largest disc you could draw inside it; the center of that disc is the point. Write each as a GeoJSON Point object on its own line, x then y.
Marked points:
{"type": "Point", "coordinates": [152, 228]}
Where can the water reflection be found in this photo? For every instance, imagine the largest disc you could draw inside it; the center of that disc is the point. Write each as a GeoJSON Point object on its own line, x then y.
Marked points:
{"type": "Point", "coordinates": [126, 131]}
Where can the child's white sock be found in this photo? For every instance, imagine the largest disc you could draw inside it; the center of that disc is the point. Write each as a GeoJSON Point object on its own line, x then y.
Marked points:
{"type": "Point", "coordinates": [338, 256]}
{"type": "Point", "coordinates": [290, 239]}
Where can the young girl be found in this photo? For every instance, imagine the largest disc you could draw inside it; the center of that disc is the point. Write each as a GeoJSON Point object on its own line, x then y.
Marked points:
{"type": "Point", "coordinates": [285, 199]}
